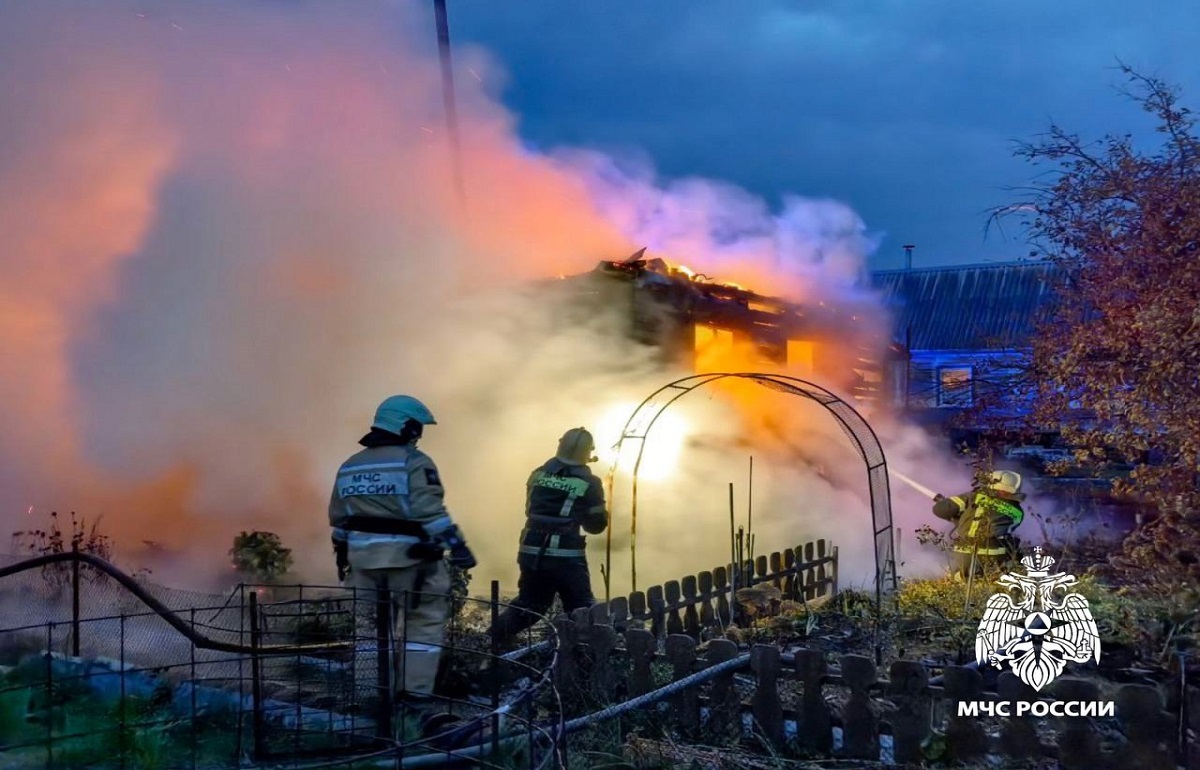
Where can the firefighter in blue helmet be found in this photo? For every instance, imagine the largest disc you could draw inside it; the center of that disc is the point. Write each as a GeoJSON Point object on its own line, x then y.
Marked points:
{"type": "Point", "coordinates": [984, 520]}
{"type": "Point", "coordinates": [391, 531]}
{"type": "Point", "coordinates": [563, 496]}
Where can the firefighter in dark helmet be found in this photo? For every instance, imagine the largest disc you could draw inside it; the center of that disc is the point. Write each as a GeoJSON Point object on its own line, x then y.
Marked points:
{"type": "Point", "coordinates": [562, 497]}
{"type": "Point", "coordinates": [984, 520]}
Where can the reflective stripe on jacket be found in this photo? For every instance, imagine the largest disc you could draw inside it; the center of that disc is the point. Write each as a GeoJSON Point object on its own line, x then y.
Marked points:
{"type": "Point", "coordinates": [560, 500]}
{"type": "Point", "coordinates": [981, 519]}
{"type": "Point", "coordinates": [385, 499]}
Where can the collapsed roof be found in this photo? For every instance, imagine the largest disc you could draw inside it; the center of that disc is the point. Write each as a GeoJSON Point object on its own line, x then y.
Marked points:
{"type": "Point", "coordinates": [660, 291]}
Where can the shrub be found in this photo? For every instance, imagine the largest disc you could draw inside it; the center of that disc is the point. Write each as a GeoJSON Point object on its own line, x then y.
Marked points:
{"type": "Point", "coordinates": [260, 557]}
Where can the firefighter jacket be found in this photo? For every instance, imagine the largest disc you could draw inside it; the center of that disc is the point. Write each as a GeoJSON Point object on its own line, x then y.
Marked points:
{"type": "Point", "coordinates": [560, 500]}
{"type": "Point", "coordinates": [983, 520]}
{"type": "Point", "coordinates": [386, 499]}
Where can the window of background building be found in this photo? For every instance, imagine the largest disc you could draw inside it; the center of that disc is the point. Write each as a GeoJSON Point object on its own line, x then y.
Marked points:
{"type": "Point", "coordinates": [954, 386]}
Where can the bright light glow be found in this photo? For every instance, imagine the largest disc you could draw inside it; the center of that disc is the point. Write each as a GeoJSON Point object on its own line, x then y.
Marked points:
{"type": "Point", "coordinates": [663, 446]}
{"type": "Point", "coordinates": [800, 357]}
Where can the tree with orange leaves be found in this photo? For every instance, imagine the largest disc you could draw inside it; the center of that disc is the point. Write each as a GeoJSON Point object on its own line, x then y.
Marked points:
{"type": "Point", "coordinates": [1121, 348]}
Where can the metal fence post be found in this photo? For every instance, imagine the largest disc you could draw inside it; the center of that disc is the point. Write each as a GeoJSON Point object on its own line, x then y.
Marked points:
{"type": "Point", "coordinates": [383, 653]}
{"type": "Point", "coordinates": [495, 666]}
{"type": "Point", "coordinates": [75, 600]}
{"type": "Point", "coordinates": [239, 731]}
{"type": "Point", "coordinates": [192, 658]}
{"type": "Point", "coordinates": [256, 680]}
{"type": "Point", "coordinates": [123, 704]}
{"type": "Point", "coordinates": [49, 695]}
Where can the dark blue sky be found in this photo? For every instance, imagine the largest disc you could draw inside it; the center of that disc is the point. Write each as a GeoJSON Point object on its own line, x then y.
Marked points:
{"type": "Point", "coordinates": [905, 109]}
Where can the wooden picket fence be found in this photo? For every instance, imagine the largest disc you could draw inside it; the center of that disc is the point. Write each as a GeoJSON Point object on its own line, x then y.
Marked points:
{"type": "Point", "coordinates": [798, 698]}
{"type": "Point", "coordinates": [808, 572]}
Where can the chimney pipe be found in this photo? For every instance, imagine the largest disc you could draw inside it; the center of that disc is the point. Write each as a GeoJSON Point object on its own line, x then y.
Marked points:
{"type": "Point", "coordinates": [908, 247]}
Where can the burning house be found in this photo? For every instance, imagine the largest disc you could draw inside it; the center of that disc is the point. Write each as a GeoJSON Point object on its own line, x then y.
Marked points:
{"type": "Point", "coordinates": [712, 325]}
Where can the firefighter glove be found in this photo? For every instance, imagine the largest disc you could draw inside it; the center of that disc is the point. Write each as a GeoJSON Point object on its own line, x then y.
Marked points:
{"type": "Point", "coordinates": [938, 498]}
{"type": "Point", "coordinates": [341, 553]}
{"type": "Point", "coordinates": [461, 556]}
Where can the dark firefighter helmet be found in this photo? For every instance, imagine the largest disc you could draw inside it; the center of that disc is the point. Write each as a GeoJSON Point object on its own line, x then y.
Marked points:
{"type": "Point", "coordinates": [576, 447]}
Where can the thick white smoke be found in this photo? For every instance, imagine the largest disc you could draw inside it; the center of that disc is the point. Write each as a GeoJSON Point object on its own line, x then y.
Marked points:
{"type": "Point", "coordinates": [230, 231]}
{"type": "Point", "coordinates": [805, 251]}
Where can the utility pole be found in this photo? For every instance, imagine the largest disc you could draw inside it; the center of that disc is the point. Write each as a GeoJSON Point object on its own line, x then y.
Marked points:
{"type": "Point", "coordinates": [443, 36]}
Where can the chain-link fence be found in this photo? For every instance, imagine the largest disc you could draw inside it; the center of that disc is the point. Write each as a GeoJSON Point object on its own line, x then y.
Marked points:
{"type": "Point", "coordinates": [99, 669]}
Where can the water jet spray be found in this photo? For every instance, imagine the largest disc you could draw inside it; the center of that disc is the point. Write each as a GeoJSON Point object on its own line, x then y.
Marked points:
{"type": "Point", "coordinates": [914, 484]}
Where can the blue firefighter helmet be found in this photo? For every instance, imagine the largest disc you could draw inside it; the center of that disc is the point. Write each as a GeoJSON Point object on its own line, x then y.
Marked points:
{"type": "Point", "coordinates": [396, 411]}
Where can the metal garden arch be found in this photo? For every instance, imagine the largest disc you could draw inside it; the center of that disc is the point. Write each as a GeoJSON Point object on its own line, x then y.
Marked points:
{"type": "Point", "coordinates": [856, 428]}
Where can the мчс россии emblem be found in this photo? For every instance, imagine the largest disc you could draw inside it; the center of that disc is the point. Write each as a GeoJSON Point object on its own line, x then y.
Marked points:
{"type": "Point", "coordinates": [1039, 633]}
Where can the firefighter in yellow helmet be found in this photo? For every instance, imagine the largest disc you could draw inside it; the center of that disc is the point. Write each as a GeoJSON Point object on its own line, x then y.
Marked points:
{"type": "Point", "coordinates": [562, 497]}
{"type": "Point", "coordinates": [984, 520]}
{"type": "Point", "coordinates": [391, 532]}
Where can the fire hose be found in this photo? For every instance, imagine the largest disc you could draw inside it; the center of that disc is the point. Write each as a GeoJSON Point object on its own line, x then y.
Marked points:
{"type": "Point", "coordinates": [654, 696]}
{"type": "Point", "coordinates": [574, 725]}
{"type": "Point", "coordinates": [580, 723]}
{"type": "Point", "coordinates": [521, 652]}
{"type": "Point", "coordinates": [609, 712]}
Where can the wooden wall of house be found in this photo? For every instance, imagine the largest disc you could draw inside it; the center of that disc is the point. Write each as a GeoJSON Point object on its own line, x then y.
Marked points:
{"type": "Point", "coordinates": [994, 375]}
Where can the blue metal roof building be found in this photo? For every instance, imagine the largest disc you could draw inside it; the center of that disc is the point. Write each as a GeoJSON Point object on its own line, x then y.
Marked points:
{"type": "Point", "coordinates": [986, 307]}
{"type": "Point", "coordinates": [964, 328]}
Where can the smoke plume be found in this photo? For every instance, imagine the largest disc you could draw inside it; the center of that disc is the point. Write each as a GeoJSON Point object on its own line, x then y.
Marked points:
{"type": "Point", "coordinates": [231, 230]}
